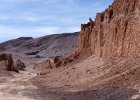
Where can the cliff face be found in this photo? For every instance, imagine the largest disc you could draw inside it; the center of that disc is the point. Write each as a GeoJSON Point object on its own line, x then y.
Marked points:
{"type": "Point", "coordinates": [115, 32]}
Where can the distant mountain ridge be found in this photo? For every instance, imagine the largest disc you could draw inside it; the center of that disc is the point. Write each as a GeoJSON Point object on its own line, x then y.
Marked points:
{"type": "Point", "coordinates": [46, 46]}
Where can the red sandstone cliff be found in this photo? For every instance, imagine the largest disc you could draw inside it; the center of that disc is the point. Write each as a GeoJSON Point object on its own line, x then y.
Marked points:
{"type": "Point", "coordinates": [115, 32]}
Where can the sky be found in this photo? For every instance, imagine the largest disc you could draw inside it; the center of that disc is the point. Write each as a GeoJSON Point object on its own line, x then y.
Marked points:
{"type": "Point", "coordinates": [35, 18]}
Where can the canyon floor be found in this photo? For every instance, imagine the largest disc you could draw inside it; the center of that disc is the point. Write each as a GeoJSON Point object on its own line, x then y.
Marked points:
{"type": "Point", "coordinates": [76, 82]}
{"type": "Point", "coordinates": [18, 86]}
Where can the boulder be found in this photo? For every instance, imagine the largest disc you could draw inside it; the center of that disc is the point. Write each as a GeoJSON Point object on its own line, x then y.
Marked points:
{"type": "Point", "coordinates": [20, 65]}
{"type": "Point", "coordinates": [9, 62]}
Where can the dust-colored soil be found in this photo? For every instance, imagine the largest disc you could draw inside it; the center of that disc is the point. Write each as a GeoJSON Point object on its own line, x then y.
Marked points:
{"type": "Point", "coordinates": [90, 79]}
{"type": "Point", "coordinates": [93, 79]}
{"type": "Point", "coordinates": [20, 87]}
{"type": "Point", "coordinates": [16, 88]}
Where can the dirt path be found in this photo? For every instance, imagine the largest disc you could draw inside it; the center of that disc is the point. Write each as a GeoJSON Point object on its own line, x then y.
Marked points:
{"type": "Point", "coordinates": [14, 88]}
{"type": "Point", "coordinates": [19, 88]}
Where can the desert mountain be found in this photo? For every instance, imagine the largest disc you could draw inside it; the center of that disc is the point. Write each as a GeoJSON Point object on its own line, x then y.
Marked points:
{"type": "Point", "coordinates": [46, 46]}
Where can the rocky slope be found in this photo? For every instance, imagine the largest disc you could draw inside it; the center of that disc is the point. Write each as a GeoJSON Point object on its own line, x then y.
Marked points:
{"type": "Point", "coordinates": [114, 37]}
{"type": "Point", "coordinates": [107, 53]}
{"type": "Point", "coordinates": [46, 46]}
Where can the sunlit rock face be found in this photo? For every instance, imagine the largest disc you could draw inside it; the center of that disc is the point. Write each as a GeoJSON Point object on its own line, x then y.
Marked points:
{"type": "Point", "coordinates": [115, 32]}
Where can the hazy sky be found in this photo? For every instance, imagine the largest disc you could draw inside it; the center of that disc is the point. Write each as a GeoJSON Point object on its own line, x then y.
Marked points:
{"type": "Point", "coordinates": [41, 17]}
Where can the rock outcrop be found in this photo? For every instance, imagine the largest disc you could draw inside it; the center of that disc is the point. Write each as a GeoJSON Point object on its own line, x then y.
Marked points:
{"type": "Point", "coordinates": [10, 64]}
{"type": "Point", "coordinates": [50, 63]}
{"type": "Point", "coordinates": [20, 65]}
{"type": "Point", "coordinates": [114, 33]}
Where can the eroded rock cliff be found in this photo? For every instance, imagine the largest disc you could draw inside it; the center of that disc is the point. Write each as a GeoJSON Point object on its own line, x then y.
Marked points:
{"type": "Point", "coordinates": [115, 32]}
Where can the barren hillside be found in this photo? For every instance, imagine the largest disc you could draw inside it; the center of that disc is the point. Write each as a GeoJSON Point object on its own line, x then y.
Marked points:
{"type": "Point", "coordinates": [46, 46]}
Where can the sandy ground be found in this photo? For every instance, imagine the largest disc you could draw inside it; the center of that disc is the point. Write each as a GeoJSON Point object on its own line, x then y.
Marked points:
{"type": "Point", "coordinates": [93, 79]}
{"type": "Point", "coordinates": [19, 87]}
{"type": "Point", "coordinates": [15, 88]}
{"type": "Point", "coordinates": [117, 81]}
